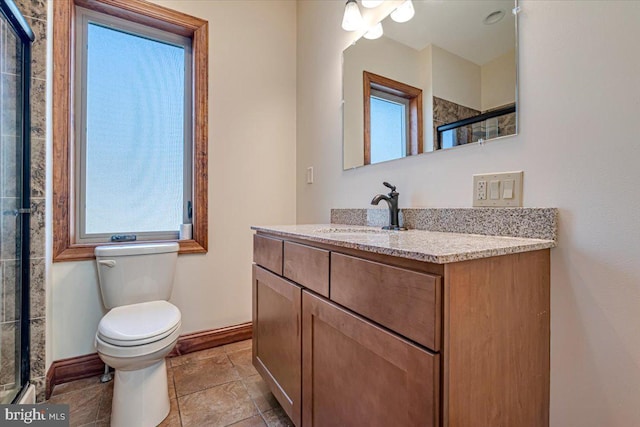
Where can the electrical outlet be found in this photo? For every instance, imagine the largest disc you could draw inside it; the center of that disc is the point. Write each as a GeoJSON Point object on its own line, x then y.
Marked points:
{"type": "Point", "coordinates": [502, 189]}
{"type": "Point", "coordinates": [481, 190]}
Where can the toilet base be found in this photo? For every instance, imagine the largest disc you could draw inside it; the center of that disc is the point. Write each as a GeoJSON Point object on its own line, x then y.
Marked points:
{"type": "Point", "coordinates": [140, 397]}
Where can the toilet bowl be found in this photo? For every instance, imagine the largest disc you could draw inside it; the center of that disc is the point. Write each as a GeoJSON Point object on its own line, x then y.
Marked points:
{"type": "Point", "coordinates": [141, 328]}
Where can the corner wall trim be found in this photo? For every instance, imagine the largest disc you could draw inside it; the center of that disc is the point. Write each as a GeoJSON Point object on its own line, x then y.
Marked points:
{"type": "Point", "coordinates": [75, 368]}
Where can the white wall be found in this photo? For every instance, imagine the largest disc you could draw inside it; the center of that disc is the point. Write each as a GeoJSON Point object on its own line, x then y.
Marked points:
{"type": "Point", "coordinates": [578, 147]}
{"type": "Point", "coordinates": [252, 120]}
{"type": "Point", "coordinates": [426, 83]}
{"type": "Point", "coordinates": [498, 81]}
{"type": "Point", "coordinates": [455, 78]}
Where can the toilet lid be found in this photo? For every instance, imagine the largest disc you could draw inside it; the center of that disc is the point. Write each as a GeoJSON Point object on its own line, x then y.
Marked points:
{"type": "Point", "coordinates": [138, 324]}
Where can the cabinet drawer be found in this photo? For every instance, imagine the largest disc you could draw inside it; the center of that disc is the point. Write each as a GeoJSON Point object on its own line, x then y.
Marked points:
{"type": "Point", "coordinates": [358, 374]}
{"type": "Point", "coordinates": [307, 266]}
{"type": "Point", "coordinates": [267, 252]}
{"type": "Point", "coordinates": [404, 301]}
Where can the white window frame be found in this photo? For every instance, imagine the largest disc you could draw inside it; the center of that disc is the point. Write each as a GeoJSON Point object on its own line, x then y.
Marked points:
{"type": "Point", "coordinates": [83, 18]}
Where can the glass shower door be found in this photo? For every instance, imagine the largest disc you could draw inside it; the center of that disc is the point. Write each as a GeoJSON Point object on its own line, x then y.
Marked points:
{"type": "Point", "coordinates": [14, 201]}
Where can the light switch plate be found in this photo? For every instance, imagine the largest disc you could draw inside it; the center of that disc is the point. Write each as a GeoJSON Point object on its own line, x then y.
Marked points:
{"type": "Point", "coordinates": [494, 189]}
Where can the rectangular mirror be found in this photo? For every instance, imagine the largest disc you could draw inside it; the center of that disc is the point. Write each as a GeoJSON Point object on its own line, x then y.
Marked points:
{"type": "Point", "coordinates": [445, 78]}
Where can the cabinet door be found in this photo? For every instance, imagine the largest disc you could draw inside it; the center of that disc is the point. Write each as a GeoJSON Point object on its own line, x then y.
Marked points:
{"type": "Point", "coordinates": [276, 337]}
{"type": "Point", "coordinates": [357, 374]}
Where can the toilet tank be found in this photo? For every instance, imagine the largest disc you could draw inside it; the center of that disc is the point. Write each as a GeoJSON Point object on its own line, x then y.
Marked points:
{"type": "Point", "coordinates": [131, 274]}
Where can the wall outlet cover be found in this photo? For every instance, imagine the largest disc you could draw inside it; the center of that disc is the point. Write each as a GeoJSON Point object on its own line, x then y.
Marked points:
{"type": "Point", "coordinates": [500, 189]}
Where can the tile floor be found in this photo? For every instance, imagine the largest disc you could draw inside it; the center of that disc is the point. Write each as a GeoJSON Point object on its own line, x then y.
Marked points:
{"type": "Point", "coordinates": [215, 387]}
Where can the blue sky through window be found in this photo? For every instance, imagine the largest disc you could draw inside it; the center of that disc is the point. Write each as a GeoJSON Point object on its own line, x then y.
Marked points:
{"type": "Point", "coordinates": [388, 130]}
{"type": "Point", "coordinates": [135, 133]}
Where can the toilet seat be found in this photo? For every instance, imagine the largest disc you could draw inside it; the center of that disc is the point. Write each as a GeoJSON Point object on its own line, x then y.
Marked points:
{"type": "Point", "coordinates": [143, 351]}
{"type": "Point", "coordinates": [139, 324]}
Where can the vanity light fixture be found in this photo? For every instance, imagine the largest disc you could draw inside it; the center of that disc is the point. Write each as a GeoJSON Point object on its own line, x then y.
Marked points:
{"type": "Point", "coordinates": [370, 4]}
{"type": "Point", "coordinates": [352, 19]}
{"type": "Point", "coordinates": [494, 17]}
{"type": "Point", "coordinates": [404, 12]}
{"type": "Point", "coordinates": [374, 32]}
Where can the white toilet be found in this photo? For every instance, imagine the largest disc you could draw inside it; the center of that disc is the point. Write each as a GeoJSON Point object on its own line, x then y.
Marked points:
{"type": "Point", "coordinates": [140, 329]}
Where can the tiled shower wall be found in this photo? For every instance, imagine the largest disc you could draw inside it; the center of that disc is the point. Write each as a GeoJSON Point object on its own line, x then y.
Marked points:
{"type": "Point", "coordinates": [448, 112]}
{"type": "Point", "coordinates": [445, 112]}
{"type": "Point", "coordinates": [35, 12]}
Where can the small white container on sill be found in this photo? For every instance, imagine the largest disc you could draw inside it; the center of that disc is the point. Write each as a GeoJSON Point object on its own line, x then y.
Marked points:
{"type": "Point", "coordinates": [186, 231]}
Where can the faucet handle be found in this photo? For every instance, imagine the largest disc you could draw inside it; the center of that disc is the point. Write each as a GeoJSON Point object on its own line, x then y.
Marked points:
{"type": "Point", "coordinates": [392, 187]}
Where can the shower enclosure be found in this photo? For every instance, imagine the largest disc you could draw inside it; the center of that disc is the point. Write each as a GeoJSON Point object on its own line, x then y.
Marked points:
{"type": "Point", "coordinates": [15, 73]}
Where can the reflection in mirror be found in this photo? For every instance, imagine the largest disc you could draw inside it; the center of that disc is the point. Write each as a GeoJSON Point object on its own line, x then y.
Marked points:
{"type": "Point", "coordinates": [445, 78]}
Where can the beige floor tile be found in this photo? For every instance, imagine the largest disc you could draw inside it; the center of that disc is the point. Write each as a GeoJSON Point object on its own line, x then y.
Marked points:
{"type": "Point", "coordinates": [255, 421]}
{"type": "Point", "coordinates": [242, 361]}
{"type": "Point", "coordinates": [104, 408]}
{"type": "Point", "coordinates": [237, 346]}
{"type": "Point", "coordinates": [202, 374]}
{"type": "Point", "coordinates": [101, 423]}
{"type": "Point", "coordinates": [170, 384]}
{"type": "Point", "coordinates": [260, 393]}
{"type": "Point", "coordinates": [217, 406]}
{"type": "Point", "coordinates": [75, 385]}
{"type": "Point", "coordinates": [173, 419]}
{"type": "Point", "coordinates": [83, 404]}
{"type": "Point", "coordinates": [277, 418]}
{"type": "Point", "coordinates": [198, 355]}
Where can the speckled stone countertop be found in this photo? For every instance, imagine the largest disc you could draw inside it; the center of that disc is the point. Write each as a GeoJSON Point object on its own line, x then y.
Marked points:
{"type": "Point", "coordinates": [429, 246]}
{"type": "Point", "coordinates": [535, 223]}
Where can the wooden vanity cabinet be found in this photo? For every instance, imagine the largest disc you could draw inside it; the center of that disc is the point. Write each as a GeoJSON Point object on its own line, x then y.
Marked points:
{"type": "Point", "coordinates": [277, 337]}
{"type": "Point", "coordinates": [375, 340]}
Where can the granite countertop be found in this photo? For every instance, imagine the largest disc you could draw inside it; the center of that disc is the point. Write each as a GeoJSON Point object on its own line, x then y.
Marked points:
{"type": "Point", "coordinates": [429, 246]}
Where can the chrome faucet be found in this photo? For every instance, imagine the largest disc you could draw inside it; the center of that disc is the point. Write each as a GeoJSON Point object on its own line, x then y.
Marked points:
{"type": "Point", "coordinates": [392, 201]}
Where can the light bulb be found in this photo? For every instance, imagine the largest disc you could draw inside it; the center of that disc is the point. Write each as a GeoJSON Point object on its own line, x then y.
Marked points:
{"type": "Point", "coordinates": [371, 3]}
{"type": "Point", "coordinates": [404, 12]}
{"type": "Point", "coordinates": [352, 19]}
{"type": "Point", "coordinates": [375, 32]}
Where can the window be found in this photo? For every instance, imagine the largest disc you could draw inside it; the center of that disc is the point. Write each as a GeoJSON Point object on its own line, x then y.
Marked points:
{"type": "Point", "coordinates": [134, 163]}
{"type": "Point", "coordinates": [133, 133]}
{"type": "Point", "coordinates": [392, 119]}
{"type": "Point", "coordinates": [389, 126]}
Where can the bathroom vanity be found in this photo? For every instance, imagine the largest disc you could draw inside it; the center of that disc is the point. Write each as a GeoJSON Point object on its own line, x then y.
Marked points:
{"type": "Point", "coordinates": [356, 326]}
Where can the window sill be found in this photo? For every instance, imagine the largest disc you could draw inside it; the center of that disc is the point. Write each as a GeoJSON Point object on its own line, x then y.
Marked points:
{"type": "Point", "coordinates": [86, 252]}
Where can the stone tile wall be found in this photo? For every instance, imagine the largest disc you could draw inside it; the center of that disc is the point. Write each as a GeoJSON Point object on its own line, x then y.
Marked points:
{"type": "Point", "coordinates": [445, 112]}
{"type": "Point", "coordinates": [35, 11]}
